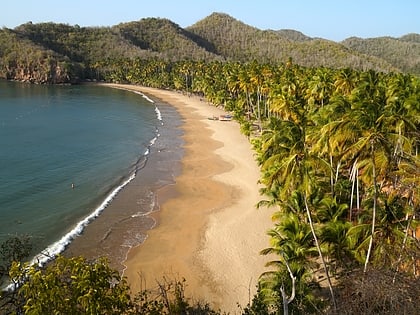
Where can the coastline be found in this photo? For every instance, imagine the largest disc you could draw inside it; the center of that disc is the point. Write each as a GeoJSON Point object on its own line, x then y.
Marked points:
{"type": "Point", "coordinates": [208, 230]}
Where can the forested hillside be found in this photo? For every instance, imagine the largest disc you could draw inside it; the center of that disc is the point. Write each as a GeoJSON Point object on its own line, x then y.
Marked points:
{"type": "Point", "coordinates": [238, 41]}
{"type": "Point", "coordinates": [21, 59]}
{"type": "Point", "coordinates": [60, 53]}
{"type": "Point", "coordinates": [167, 39]}
{"type": "Point", "coordinates": [403, 52]}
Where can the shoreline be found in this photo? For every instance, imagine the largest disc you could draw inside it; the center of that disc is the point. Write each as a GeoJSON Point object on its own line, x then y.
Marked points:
{"type": "Point", "coordinates": [208, 230]}
{"type": "Point", "coordinates": [130, 214]}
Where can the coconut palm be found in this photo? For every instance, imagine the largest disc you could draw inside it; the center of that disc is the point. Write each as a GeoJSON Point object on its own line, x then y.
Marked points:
{"type": "Point", "coordinates": [345, 81]}
{"type": "Point", "coordinates": [320, 87]}
{"type": "Point", "coordinates": [291, 239]}
{"type": "Point", "coordinates": [363, 136]}
{"type": "Point", "coordinates": [292, 243]}
{"type": "Point", "coordinates": [295, 166]}
{"type": "Point", "coordinates": [334, 231]}
{"type": "Point", "coordinates": [337, 243]}
{"type": "Point", "coordinates": [320, 135]}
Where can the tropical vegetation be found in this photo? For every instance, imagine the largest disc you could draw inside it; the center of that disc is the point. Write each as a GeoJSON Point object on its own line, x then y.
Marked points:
{"type": "Point", "coordinates": [61, 53]}
{"type": "Point", "coordinates": [338, 149]}
{"type": "Point", "coordinates": [78, 286]}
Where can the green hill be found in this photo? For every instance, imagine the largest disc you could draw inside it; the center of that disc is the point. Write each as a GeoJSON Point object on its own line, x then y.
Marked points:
{"type": "Point", "coordinates": [24, 60]}
{"type": "Point", "coordinates": [238, 41]}
{"type": "Point", "coordinates": [403, 53]}
{"type": "Point", "coordinates": [80, 44]}
{"type": "Point", "coordinates": [294, 35]}
{"type": "Point", "coordinates": [57, 53]}
{"type": "Point", "coordinates": [165, 38]}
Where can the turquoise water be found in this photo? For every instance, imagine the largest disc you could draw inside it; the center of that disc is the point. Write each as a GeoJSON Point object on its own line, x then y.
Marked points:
{"type": "Point", "coordinates": [52, 137]}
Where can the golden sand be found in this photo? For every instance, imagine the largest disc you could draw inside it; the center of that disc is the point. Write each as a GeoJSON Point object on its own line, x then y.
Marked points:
{"type": "Point", "coordinates": [210, 232]}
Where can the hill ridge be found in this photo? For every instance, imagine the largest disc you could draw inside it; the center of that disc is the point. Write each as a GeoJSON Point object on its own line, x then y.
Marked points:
{"type": "Point", "coordinates": [73, 52]}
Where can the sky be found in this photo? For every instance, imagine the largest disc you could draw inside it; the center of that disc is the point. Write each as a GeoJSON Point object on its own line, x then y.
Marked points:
{"type": "Point", "coordinates": [330, 19]}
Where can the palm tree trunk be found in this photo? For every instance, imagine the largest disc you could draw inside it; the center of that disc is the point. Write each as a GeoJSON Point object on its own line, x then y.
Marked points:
{"type": "Point", "coordinates": [354, 176]}
{"type": "Point", "coordinates": [357, 189]}
{"type": "Point", "coordinates": [259, 108]}
{"type": "Point", "coordinates": [337, 171]}
{"type": "Point", "coordinates": [332, 175]}
{"type": "Point", "coordinates": [288, 300]}
{"type": "Point", "coordinates": [375, 197]}
{"type": "Point", "coordinates": [320, 253]}
{"type": "Point", "coordinates": [403, 247]}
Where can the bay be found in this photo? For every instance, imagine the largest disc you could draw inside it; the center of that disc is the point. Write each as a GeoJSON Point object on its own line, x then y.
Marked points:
{"type": "Point", "coordinates": [66, 151]}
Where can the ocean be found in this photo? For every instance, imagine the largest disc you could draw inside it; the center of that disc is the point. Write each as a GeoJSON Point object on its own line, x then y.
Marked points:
{"type": "Point", "coordinates": [80, 167]}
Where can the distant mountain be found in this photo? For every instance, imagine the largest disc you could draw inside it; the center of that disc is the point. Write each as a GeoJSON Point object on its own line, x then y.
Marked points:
{"type": "Point", "coordinates": [166, 38]}
{"type": "Point", "coordinates": [238, 41]}
{"type": "Point", "coordinates": [293, 35]}
{"type": "Point", "coordinates": [80, 44]}
{"type": "Point", "coordinates": [54, 52]}
{"type": "Point", "coordinates": [402, 52]}
{"type": "Point", "coordinates": [413, 37]}
{"type": "Point", "coordinates": [24, 60]}
{"type": "Point", "coordinates": [229, 37]}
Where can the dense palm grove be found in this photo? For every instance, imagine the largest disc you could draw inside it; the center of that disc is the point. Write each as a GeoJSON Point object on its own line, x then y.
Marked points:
{"type": "Point", "coordinates": [338, 151]}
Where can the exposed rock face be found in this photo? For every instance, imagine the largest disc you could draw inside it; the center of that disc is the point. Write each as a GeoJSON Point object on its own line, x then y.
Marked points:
{"type": "Point", "coordinates": [40, 74]}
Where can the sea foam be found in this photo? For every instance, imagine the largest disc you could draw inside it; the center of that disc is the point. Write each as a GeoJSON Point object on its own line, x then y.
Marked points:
{"type": "Point", "coordinates": [144, 96]}
{"type": "Point", "coordinates": [56, 248]}
{"type": "Point", "coordinates": [52, 250]}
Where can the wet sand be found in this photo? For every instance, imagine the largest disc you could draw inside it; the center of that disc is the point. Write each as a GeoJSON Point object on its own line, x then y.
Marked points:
{"type": "Point", "coordinates": [208, 230]}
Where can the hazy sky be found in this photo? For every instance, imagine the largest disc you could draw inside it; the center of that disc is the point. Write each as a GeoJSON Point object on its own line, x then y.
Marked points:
{"type": "Point", "coordinates": [330, 19]}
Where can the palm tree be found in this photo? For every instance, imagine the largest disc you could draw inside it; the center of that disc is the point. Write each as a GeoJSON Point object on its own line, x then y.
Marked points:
{"type": "Point", "coordinates": [334, 231]}
{"type": "Point", "coordinates": [287, 97]}
{"type": "Point", "coordinates": [291, 239]}
{"type": "Point", "coordinates": [320, 87]}
{"type": "Point", "coordinates": [345, 81]}
{"type": "Point", "coordinates": [295, 166]}
{"type": "Point", "coordinates": [364, 135]}
{"type": "Point", "coordinates": [321, 134]}
{"type": "Point", "coordinates": [292, 243]}
{"type": "Point", "coordinates": [247, 90]}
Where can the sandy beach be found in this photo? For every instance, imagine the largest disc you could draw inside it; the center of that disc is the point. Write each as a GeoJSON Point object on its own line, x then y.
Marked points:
{"type": "Point", "coordinates": [208, 230]}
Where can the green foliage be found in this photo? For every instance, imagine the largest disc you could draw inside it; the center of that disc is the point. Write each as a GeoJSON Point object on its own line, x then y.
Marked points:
{"type": "Point", "coordinates": [77, 286]}
{"type": "Point", "coordinates": [238, 41]}
{"type": "Point", "coordinates": [258, 305]}
{"type": "Point", "coordinates": [80, 44]}
{"type": "Point", "coordinates": [169, 298]}
{"type": "Point", "coordinates": [61, 53]}
{"type": "Point", "coordinates": [338, 151]}
{"type": "Point", "coordinates": [23, 60]}
{"type": "Point", "coordinates": [401, 52]}
{"type": "Point", "coordinates": [15, 248]}
{"type": "Point", "coordinates": [71, 286]}
{"type": "Point", "coordinates": [269, 297]}
{"type": "Point", "coordinates": [341, 125]}
{"type": "Point", "coordinates": [164, 37]}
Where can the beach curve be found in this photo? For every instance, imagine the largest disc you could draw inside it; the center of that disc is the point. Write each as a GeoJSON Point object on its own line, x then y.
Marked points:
{"type": "Point", "coordinates": [209, 231]}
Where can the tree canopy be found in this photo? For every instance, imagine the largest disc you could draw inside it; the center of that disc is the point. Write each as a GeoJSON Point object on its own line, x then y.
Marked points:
{"type": "Point", "coordinates": [61, 53]}
{"type": "Point", "coordinates": [338, 150]}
